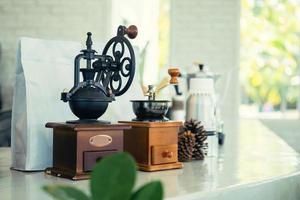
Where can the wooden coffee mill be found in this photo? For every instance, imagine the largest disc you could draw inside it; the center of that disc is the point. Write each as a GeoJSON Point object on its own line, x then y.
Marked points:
{"type": "Point", "coordinates": [152, 140]}
{"type": "Point", "coordinates": [79, 144]}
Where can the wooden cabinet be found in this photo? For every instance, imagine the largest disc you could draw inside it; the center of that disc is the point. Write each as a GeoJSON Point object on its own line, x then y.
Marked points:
{"type": "Point", "coordinates": [78, 147]}
{"type": "Point", "coordinates": [153, 144]}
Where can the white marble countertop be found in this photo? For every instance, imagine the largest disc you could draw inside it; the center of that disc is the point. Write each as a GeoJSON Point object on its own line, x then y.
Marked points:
{"type": "Point", "coordinates": [254, 163]}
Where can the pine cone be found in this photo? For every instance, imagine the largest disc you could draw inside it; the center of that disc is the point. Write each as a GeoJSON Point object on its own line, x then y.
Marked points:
{"type": "Point", "coordinates": [193, 125]}
{"type": "Point", "coordinates": [200, 148]}
{"type": "Point", "coordinates": [200, 151]}
{"type": "Point", "coordinates": [186, 143]}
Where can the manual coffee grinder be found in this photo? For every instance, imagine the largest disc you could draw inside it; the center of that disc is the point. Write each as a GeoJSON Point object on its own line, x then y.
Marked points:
{"type": "Point", "coordinates": [153, 138]}
{"type": "Point", "coordinates": [79, 144]}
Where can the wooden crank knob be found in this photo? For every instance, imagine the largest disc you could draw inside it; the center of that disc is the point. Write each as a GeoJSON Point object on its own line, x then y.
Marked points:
{"type": "Point", "coordinates": [174, 73]}
{"type": "Point", "coordinates": [131, 31]}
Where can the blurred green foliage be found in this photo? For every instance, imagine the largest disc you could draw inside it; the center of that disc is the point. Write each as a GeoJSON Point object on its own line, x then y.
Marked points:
{"type": "Point", "coordinates": [112, 178]}
{"type": "Point", "coordinates": [270, 48]}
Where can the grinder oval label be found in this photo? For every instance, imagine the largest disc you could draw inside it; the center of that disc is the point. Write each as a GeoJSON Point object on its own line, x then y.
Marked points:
{"type": "Point", "coordinates": [100, 140]}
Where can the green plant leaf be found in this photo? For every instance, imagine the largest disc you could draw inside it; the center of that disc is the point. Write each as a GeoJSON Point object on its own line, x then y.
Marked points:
{"type": "Point", "coordinates": [113, 177]}
{"type": "Point", "coordinates": [63, 192]}
{"type": "Point", "coordinates": [150, 191]}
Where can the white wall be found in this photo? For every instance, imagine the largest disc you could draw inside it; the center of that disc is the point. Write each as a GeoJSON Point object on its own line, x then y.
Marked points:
{"type": "Point", "coordinates": [200, 30]}
{"type": "Point", "coordinates": [49, 19]}
{"type": "Point", "coordinates": [144, 14]}
{"type": "Point", "coordinates": [208, 31]}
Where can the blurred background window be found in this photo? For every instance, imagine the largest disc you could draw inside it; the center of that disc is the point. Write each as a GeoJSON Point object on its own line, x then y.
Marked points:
{"type": "Point", "coordinates": [270, 58]}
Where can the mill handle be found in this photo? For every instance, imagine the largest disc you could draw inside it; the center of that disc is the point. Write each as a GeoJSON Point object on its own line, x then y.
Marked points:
{"type": "Point", "coordinates": [131, 31]}
{"type": "Point", "coordinates": [174, 73]}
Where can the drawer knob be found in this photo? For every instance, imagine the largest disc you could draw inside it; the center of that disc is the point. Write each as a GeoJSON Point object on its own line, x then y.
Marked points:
{"type": "Point", "coordinates": [167, 154]}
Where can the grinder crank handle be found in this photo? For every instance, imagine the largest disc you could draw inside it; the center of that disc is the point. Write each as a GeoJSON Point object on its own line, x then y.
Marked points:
{"type": "Point", "coordinates": [174, 73]}
{"type": "Point", "coordinates": [131, 31]}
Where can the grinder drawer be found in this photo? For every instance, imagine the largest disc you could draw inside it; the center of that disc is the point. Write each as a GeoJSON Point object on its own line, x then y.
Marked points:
{"type": "Point", "coordinates": [90, 158]}
{"type": "Point", "coordinates": [164, 154]}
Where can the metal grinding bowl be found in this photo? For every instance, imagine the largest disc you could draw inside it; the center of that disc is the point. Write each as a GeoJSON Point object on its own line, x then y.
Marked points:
{"type": "Point", "coordinates": [150, 110]}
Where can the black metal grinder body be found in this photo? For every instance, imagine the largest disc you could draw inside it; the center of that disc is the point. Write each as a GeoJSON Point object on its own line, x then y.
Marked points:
{"type": "Point", "coordinates": [105, 76]}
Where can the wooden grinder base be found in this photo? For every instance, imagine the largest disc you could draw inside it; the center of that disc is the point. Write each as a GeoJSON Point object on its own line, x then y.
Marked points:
{"type": "Point", "coordinates": [153, 144]}
{"type": "Point", "coordinates": [77, 147]}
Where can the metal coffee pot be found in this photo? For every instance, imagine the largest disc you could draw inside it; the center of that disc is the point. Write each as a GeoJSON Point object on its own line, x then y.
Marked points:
{"type": "Point", "coordinates": [202, 72]}
{"type": "Point", "coordinates": [199, 99]}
